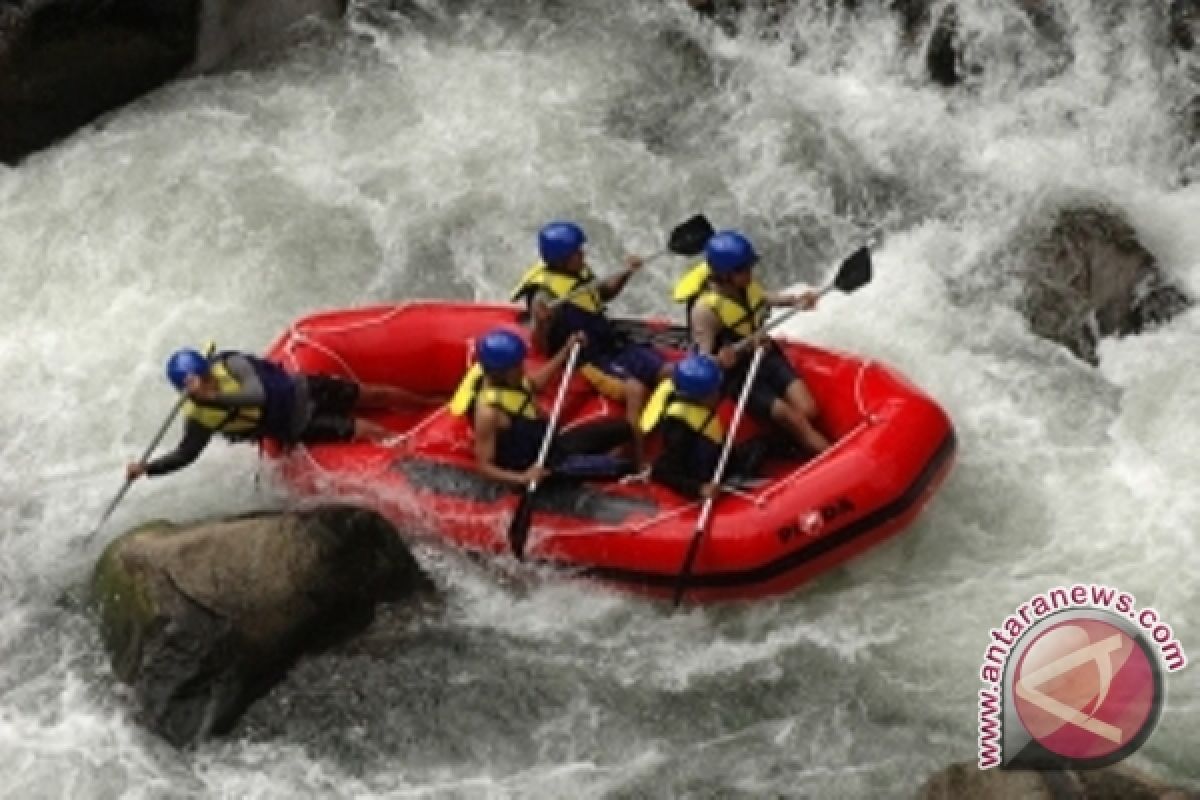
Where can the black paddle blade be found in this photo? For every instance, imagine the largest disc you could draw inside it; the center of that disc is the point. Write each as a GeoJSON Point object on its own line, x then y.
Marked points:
{"type": "Point", "coordinates": [518, 529]}
{"type": "Point", "coordinates": [688, 238]}
{"type": "Point", "coordinates": [855, 271]}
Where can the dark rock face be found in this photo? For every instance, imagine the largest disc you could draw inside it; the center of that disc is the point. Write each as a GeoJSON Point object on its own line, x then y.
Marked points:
{"type": "Point", "coordinates": [65, 62]}
{"type": "Point", "coordinates": [204, 620]}
{"type": "Point", "coordinates": [948, 49]}
{"type": "Point", "coordinates": [1088, 276]}
{"type": "Point", "coordinates": [942, 55]}
{"type": "Point", "coordinates": [1184, 20]}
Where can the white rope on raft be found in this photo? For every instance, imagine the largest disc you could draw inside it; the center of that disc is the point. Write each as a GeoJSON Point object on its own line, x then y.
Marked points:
{"type": "Point", "coordinates": [858, 397]}
{"type": "Point", "coordinates": [298, 336]}
{"type": "Point", "coordinates": [761, 496]}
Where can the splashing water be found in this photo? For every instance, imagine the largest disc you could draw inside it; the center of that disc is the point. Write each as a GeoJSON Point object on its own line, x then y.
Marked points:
{"type": "Point", "coordinates": [414, 153]}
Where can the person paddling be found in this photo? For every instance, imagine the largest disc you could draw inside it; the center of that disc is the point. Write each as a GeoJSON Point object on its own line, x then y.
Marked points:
{"type": "Point", "coordinates": [498, 397]}
{"type": "Point", "coordinates": [727, 304]}
{"type": "Point", "coordinates": [246, 398]}
{"type": "Point", "coordinates": [563, 300]}
{"type": "Point", "coordinates": [684, 410]}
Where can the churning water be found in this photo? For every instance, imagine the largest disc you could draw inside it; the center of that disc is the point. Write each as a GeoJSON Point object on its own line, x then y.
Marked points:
{"type": "Point", "coordinates": [414, 153]}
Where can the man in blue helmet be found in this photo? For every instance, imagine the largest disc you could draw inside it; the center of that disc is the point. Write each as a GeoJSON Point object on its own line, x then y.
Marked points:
{"type": "Point", "coordinates": [684, 410]}
{"type": "Point", "coordinates": [726, 305]}
{"type": "Point", "coordinates": [499, 399]}
{"type": "Point", "coordinates": [246, 398]}
{"type": "Point", "coordinates": [563, 299]}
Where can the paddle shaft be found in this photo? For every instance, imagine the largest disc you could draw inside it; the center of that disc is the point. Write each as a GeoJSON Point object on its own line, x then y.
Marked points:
{"type": "Point", "coordinates": [162, 431]}
{"type": "Point", "coordinates": [568, 371]}
{"type": "Point", "coordinates": [726, 449]}
{"type": "Point", "coordinates": [782, 318]}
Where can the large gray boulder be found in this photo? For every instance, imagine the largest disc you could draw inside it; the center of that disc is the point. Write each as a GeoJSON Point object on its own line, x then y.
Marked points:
{"type": "Point", "coordinates": [1118, 782]}
{"type": "Point", "coordinates": [65, 62]}
{"type": "Point", "coordinates": [1086, 276]}
{"type": "Point", "coordinates": [203, 620]}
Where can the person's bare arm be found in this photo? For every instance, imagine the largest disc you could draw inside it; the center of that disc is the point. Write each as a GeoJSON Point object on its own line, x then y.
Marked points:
{"type": "Point", "coordinates": [488, 422]}
{"type": "Point", "coordinates": [612, 287]}
{"type": "Point", "coordinates": [806, 299]}
{"type": "Point", "coordinates": [706, 328]}
{"type": "Point", "coordinates": [541, 315]}
{"type": "Point", "coordinates": [545, 373]}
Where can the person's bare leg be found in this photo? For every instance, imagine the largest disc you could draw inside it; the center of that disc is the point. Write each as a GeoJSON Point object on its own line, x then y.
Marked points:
{"type": "Point", "coordinates": [365, 429]}
{"type": "Point", "coordinates": [800, 399]}
{"type": "Point", "coordinates": [798, 426]}
{"type": "Point", "coordinates": [635, 401]}
{"type": "Point", "coordinates": [379, 396]}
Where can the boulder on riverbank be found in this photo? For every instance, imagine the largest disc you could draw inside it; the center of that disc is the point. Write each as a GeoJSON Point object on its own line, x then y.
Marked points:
{"type": "Point", "coordinates": [204, 619]}
{"type": "Point", "coordinates": [1087, 275]}
{"type": "Point", "coordinates": [63, 63]}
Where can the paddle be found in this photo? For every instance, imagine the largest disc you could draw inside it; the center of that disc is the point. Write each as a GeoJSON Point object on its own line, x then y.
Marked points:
{"type": "Point", "coordinates": [853, 273]}
{"type": "Point", "coordinates": [162, 431]}
{"type": "Point", "coordinates": [518, 528]}
{"type": "Point", "coordinates": [706, 512]}
{"type": "Point", "coordinates": [687, 239]}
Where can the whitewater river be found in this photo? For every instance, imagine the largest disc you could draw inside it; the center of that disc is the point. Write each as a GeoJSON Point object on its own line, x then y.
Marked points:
{"type": "Point", "coordinates": [414, 154]}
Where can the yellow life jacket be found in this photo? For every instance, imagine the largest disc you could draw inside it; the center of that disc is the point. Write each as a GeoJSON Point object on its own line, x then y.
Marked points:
{"type": "Point", "coordinates": [664, 403]}
{"type": "Point", "coordinates": [741, 320]}
{"type": "Point", "coordinates": [693, 282]}
{"type": "Point", "coordinates": [517, 402]}
{"type": "Point", "coordinates": [232, 421]}
{"type": "Point", "coordinates": [737, 319]}
{"type": "Point", "coordinates": [560, 284]}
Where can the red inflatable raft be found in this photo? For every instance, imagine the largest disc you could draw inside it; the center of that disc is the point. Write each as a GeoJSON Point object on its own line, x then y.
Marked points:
{"type": "Point", "coordinates": [893, 448]}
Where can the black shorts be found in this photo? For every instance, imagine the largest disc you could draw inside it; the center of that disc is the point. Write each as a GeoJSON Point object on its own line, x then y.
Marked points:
{"type": "Point", "coordinates": [775, 375]}
{"type": "Point", "coordinates": [331, 395]}
{"type": "Point", "coordinates": [333, 402]}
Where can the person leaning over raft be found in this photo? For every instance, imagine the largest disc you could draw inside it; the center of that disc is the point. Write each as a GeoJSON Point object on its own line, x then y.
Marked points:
{"type": "Point", "coordinates": [498, 398]}
{"type": "Point", "coordinates": [562, 301]}
{"type": "Point", "coordinates": [684, 409]}
{"type": "Point", "coordinates": [246, 398]}
{"type": "Point", "coordinates": [726, 304]}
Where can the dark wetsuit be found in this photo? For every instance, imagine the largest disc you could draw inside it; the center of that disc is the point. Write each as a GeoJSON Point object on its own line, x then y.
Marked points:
{"type": "Point", "coordinates": [689, 459]}
{"type": "Point", "coordinates": [318, 408]}
{"type": "Point", "coordinates": [605, 348]}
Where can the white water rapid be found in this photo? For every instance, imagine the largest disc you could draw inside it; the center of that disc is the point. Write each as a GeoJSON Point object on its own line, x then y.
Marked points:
{"type": "Point", "coordinates": [407, 155]}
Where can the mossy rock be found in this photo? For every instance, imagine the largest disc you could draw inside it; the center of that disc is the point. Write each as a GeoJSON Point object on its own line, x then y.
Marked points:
{"type": "Point", "coordinates": [202, 620]}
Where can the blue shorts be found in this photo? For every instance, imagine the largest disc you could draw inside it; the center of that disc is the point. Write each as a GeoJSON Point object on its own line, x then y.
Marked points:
{"type": "Point", "coordinates": [638, 361]}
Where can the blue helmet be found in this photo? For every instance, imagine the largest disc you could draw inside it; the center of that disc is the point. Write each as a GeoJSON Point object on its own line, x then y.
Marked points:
{"type": "Point", "coordinates": [500, 350]}
{"type": "Point", "coordinates": [696, 377]}
{"type": "Point", "coordinates": [728, 252]}
{"type": "Point", "coordinates": [183, 363]}
{"type": "Point", "coordinates": [558, 241]}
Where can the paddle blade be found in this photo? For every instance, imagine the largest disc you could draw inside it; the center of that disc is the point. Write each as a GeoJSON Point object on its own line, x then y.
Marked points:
{"type": "Point", "coordinates": [688, 238]}
{"type": "Point", "coordinates": [689, 558]}
{"type": "Point", "coordinates": [518, 528]}
{"type": "Point", "coordinates": [855, 271]}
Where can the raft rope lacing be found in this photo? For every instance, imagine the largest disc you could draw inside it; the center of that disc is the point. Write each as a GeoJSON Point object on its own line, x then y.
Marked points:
{"type": "Point", "coordinates": [304, 337]}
